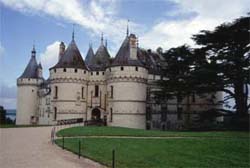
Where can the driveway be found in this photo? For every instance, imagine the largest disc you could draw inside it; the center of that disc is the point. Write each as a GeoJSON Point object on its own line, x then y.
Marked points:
{"type": "Point", "coordinates": [31, 148]}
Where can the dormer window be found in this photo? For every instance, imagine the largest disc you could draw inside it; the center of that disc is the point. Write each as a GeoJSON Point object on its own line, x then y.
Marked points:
{"type": "Point", "coordinates": [122, 68]}
{"type": "Point", "coordinates": [64, 69]}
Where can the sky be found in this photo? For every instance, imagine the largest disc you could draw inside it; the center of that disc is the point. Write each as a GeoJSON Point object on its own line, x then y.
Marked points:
{"type": "Point", "coordinates": [45, 23]}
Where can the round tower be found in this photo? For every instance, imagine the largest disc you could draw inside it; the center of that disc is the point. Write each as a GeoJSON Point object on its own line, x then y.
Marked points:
{"type": "Point", "coordinates": [126, 85]}
{"type": "Point", "coordinates": [68, 80]}
{"type": "Point", "coordinates": [27, 92]}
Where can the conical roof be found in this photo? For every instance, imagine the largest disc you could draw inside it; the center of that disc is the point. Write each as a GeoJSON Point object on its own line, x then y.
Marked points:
{"type": "Point", "coordinates": [90, 55]}
{"type": "Point", "coordinates": [71, 58]}
{"type": "Point", "coordinates": [123, 55]}
{"type": "Point", "coordinates": [31, 69]}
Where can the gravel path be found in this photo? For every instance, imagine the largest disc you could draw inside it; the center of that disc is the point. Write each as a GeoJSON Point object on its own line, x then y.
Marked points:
{"type": "Point", "coordinates": [31, 148]}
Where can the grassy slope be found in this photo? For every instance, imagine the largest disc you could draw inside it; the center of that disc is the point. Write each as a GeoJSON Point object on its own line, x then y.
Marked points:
{"type": "Point", "coordinates": [156, 153]}
{"type": "Point", "coordinates": [117, 131]}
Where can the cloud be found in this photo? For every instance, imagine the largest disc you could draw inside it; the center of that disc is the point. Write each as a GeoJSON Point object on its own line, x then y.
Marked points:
{"type": "Point", "coordinates": [8, 96]}
{"type": "Point", "coordinates": [96, 16]}
{"type": "Point", "coordinates": [50, 56]}
{"type": "Point", "coordinates": [208, 15]}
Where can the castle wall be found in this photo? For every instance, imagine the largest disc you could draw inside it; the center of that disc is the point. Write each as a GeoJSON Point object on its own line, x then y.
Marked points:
{"type": "Point", "coordinates": [70, 101]}
{"type": "Point", "coordinates": [127, 106]}
{"type": "Point", "coordinates": [27, 101]}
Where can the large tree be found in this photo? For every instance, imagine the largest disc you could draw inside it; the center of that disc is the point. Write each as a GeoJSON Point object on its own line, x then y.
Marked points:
{"type": "Point", "coordinates": [228, 50]}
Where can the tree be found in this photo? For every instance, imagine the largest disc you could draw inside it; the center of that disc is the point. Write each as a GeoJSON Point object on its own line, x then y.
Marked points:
{"type": "Point", "coordinates": [228, 50]}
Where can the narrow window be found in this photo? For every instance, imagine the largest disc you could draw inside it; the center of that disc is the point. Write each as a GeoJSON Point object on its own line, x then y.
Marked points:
{"type": "Point", "coordinates": [82, 92]}
{"type": "Point", "coordinates": [97, 73]}
{"type": "Point", "coordinates": [109, 69]}
{"type": "Point", "coordinates": [75, 70]}
{"type": "Point", "coordinates": [193, 98]}
{"type": "Point", "coordinates": [56, 92]}
{"type": "Point", "coordinates": [64, 69]}
{"type": "Point", "coordinates": [55, 113]}
{"type": "Point", "coordinates": [111, 114]}
{"type": "Point", "coordinates": [111, 91]}
{"type": "Point", "coordinates": [91, 73]}
{"type": "Point", "coordinates": [179, 113]}
{"type": "Point", "coordinates": [96, 90]}
{"type": "Point", "coordinates": [84, 72]}
{"type": "Point", "coordinates": [122, 68]}
{"type": "Point", "coordinates": [102, 73]}
{"type": "Point", "coordinates": [55, 70]}
{"type": "Point", "coordinates": [136, 68]}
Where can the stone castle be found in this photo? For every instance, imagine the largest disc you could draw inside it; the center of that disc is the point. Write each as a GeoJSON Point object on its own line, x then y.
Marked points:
{"type": "Point", "coordinates": [117, 91]}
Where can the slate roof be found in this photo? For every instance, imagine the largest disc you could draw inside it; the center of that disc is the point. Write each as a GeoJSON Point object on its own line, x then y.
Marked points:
{"type": "Point", "coordinates": [31, 69]}
{"type": "Point", "coordinates": [90, 55]}
{"type": "Point", "coordinates": [71, 58]}
{"type": "Point", "coordinates": [123, 55]}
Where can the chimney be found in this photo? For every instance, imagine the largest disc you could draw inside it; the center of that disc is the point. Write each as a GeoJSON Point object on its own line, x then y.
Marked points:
{"type": "Point", "coordinates": [61, 50]}
{"type": "Point", "coordinates": [133, 46]}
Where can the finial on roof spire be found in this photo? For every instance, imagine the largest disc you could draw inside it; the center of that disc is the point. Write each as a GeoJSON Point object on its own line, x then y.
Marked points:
{"type": "Point", "coordinates": [73, 33]}
{"type": "Point", "coordinates": [128, 27]}
{"type": "Point", "coordinates": [102, 38]}
{"type": "Point", "coordinates": [90, 45]}
{"type": "Point", "coordinates": [33, 52]}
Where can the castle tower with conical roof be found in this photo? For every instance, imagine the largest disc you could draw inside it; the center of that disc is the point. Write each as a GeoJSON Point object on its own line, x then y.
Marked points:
{"type": "Point", "coordinates": [68, 83]}
{"type": "Point", "coordinates": [126, 85]}
{"type": "Point", "coordinates": [27, 92]}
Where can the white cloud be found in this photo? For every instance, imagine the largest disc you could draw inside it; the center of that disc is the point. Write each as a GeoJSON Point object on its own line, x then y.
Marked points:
{"type": "Point", "coordinates": [209, 14]}
{"type": "Point", "coordinates": [50, 56]}
{"type": "Point", "coordinates": [96, 16]}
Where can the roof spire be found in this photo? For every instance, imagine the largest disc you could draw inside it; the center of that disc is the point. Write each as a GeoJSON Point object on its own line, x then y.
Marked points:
{"type": "Point", "coordinates": [102, 38]}
{"type": "Point", "coordinates": [90, 45]}
{"type": "Point", "coordinates": [33, 52]}
{"type": "Point", "coordinates": [73, 33]}
{"type": "Point", "coordinates": [106, 43]}
{"type": "Point", "coordinates": [128, 27]}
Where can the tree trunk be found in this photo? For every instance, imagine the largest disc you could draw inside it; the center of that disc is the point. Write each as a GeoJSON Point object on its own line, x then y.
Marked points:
{"type": "Point", "coordinates": [240, 99]}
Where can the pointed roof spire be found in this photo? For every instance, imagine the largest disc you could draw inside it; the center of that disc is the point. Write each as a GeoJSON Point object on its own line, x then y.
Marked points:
{"type": "Point", "coordinates": [102, 38]}
{"type": "Point", "coordinates": [73, 33]}
{"type": "Point", "coordinates": [106, 43]}
{"type": "Point", "coordinates": [128, 28]}
{"type": "Point", "coordinates": [33, 52]}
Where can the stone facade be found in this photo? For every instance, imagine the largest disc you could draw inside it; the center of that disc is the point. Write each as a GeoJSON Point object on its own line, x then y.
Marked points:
{"type": "Point", "coordinates": [117, 91]}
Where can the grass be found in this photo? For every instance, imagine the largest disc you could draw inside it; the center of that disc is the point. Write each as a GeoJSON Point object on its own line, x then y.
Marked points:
{"type": "Point", "coordinates": [118, 131]}
{"type": "Point", "coordinates": [162, 153]}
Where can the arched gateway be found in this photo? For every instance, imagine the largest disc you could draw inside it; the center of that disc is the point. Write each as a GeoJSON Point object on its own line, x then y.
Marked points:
{"type": "Point", "coordinates": [96, 114]}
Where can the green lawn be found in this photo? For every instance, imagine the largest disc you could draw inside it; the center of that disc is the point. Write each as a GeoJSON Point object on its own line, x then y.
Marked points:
{"type": "Point", "coordinates": [118, 131]}
{"type": "Point", "coordinates": [156, 153]}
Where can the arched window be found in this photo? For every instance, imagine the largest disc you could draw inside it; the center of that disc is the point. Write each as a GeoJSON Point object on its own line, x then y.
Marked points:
{"type": "Point", "coordinates": [55, 113]}
{"type": "Point", "coordinates": [56, 92]}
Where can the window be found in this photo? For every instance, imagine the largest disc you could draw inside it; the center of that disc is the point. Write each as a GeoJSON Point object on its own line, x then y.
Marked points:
{"type": "Point", "coordinates": [56, 92]}
{"type": "Point", "coordinates": [193, 98]}
{"type": "Point", "coordinates": [84, 72]}
{"type": "Point", "coordinates": [55, 70]}
{"type": "Point", "coordinates": [75, 70]}
{"type": "Point", "coordinates": [55, 113]}
{"type": "Point", "coordinates": [91, 73]}
{"type": "Point", "coordinates": [97, 73]}
{"type": "Point", "coordinates": [111, 91]}
{"type": "Point", "coordinates": [102, 73]}
{"type": "Point", "coordinates": [109, 69]}
{"type": "Point", "coordinates": [82, 92]}
{"type": "Point", "coordinates": [179, 113]}
{"type": "Point", "coordinates": [136, 68]}
{"type": "Point", "coordinates": [64, 69]}
{"type": "Point", "coordinates": [96, 90]}
{"type": "Point", "coordinates": [111, 114]}
{"type": "Point", "coordinates": [122, 68]}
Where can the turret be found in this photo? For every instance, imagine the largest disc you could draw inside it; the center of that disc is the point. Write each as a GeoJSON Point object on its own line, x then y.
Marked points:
{"type": "Point", "coordinates": [40, 70]}
{"type": "Point", "coordinates": [27, 92]}
{"type": "Point", "coordinates": [133, 46]}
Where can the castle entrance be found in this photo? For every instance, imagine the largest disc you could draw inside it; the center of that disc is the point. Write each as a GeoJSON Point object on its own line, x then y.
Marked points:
{"type": "Point", "coordinates": [96, 114]}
